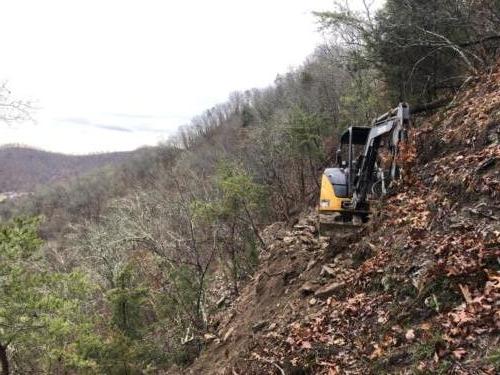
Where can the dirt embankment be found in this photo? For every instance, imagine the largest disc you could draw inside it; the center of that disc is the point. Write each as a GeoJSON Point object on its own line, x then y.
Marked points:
{"type": "Point", "coordinates": [417, 292]}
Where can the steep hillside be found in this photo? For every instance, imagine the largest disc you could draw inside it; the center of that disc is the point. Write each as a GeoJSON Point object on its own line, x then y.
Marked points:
{"type": "Point", "coordinates": [22, 168]}
{"type": "Point", "coordinates": [418, 291]}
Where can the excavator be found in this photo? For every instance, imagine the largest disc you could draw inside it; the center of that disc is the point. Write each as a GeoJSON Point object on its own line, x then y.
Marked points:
{"type": "Point", "coordinates": [366, 166]}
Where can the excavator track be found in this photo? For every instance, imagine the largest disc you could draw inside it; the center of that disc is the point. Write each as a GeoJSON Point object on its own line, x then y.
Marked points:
{"type": "Point", "coordinates": [329, 225]}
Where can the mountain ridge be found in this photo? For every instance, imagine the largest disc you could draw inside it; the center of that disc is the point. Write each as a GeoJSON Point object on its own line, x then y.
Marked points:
{"type": "Point", "coordinates": [23, 168]}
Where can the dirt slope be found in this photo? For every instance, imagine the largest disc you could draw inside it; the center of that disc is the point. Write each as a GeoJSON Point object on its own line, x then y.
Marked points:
{"type": "Point", "coordinates": [416, 292]}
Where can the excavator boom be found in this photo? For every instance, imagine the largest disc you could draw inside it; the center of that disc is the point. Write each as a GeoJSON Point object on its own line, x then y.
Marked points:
{"type": "Point", "coordinates": [390, 128]}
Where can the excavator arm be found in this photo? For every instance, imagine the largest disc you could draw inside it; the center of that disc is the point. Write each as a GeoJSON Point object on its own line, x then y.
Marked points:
{"type": "Point", "coordinates": [387, 130]}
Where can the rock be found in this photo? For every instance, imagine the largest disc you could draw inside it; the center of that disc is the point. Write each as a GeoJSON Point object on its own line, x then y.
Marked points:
{"type": "Point", "coordinates": [310, 264]}
{"type": "Point", "coordinates": [300, 225]}
{"type": "Point", "coordinates": [259, 326]}
{"type": "Point", "coordinates": [305, 228]}
{"type": "Point", "coordinates": [290, 274]}
{"type": "Point", "coordinates": [209, 337]}
{"type": "Point", "coordinates": [303, 222]}
{"type": "Point", "coordinates": [304, 240]}
{"type": "Point", "coordinates": [221, 301]}
{"type": "Point", "coordinates": [348, 263]}
{"type": "Point", "coordinates": [410, 335]}
{"type": "Point", "coordinates": [308, 288]}
{"type": "Point", "coordinates": [328, 290]}
{"type": "Point", "coordinates": [272, 326]}
{"type": "Point", "coordinates": [327, 270]}
{"type": "Point", "coordinates": [228, 334]}
{"type": "Point", "coordinates": [314, 242]}
{"type": "Point", "coordinates": [261, 283]}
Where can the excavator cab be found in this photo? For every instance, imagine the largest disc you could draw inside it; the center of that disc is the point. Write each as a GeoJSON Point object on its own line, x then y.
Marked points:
{"type": "Point", "coordinates": [337, 182]}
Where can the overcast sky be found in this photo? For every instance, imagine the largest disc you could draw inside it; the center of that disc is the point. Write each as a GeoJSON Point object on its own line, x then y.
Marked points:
{"type": "Point", "coordinates": [111, 75]}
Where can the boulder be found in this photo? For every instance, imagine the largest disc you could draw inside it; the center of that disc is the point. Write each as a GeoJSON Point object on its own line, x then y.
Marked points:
{"type": "Point", "coordinates": [259, 326]}
{"type": "Point", "coordinates": [308, 288]}
{"type": "Point", "coordinates": [328, 290]}
{"type": "Point", "coordinates": [327, 270]}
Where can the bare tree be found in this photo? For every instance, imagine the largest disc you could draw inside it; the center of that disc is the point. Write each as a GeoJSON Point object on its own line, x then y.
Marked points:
{"type": "Point", "coordinates": [13, 110]}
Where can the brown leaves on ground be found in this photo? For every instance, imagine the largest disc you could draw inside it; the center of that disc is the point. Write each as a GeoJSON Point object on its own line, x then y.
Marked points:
{"type": "Point", "coordinates": [419, 293]}
{"type": "Point", "coordinates": [471, 120]}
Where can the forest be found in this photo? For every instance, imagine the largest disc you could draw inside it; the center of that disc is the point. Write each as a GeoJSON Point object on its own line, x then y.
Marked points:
{"type": "Point", "coordinates": [127, 268]}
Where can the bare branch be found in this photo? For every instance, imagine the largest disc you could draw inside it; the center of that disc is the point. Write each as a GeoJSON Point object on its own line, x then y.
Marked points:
{"type": "Point", "coordinates": [13, 110]}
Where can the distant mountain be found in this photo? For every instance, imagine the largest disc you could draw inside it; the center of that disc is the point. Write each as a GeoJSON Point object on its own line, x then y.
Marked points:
{"type": "Point", "coordinates": [23, 168]}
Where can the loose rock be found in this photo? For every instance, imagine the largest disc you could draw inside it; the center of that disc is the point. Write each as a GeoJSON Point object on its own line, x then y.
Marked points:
{"type": "Point", "coordinates": [228, 334]}
{"type": "Point", "coordinates": [308, 288]}
{"type": "Point", "coordinates": [328, 290]}
{"type": "Point", "coordinates": [259, 326]}
{"type": "Point", "coordinates": [327, 270]}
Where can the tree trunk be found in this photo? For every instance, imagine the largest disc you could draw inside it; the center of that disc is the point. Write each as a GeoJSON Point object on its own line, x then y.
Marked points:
{"type": "Point", "coordinates": [302, 182]}
{"type": "Point", "coordinates": [234, 260]}
{"type": "Point", "coordinates": [4, 360]}
{"type": "Point", "coordinates": [254, 228]}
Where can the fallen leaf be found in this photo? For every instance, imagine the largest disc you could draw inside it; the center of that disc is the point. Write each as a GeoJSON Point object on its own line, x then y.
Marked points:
{"type": "Point", "coordinates": [459, 353]}
{"type": "Point", "coordinates": [425, 326]}
{"type": "Point", "coordinates": [306, 345]}
{"type": "Point", "coordinates": [377, 352]}
{"type": "Point", "coordinates": [466, 293]}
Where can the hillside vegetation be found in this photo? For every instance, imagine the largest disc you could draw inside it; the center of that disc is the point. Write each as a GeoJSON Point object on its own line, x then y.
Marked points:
{"type": "Point", "coordinates": [202, 255]}
{"type": "Point", "coordinates": [23, 169]}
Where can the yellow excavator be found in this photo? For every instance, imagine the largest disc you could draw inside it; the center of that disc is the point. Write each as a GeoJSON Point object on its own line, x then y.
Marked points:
{"type": "Point", "coordinates": [366, 166]}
